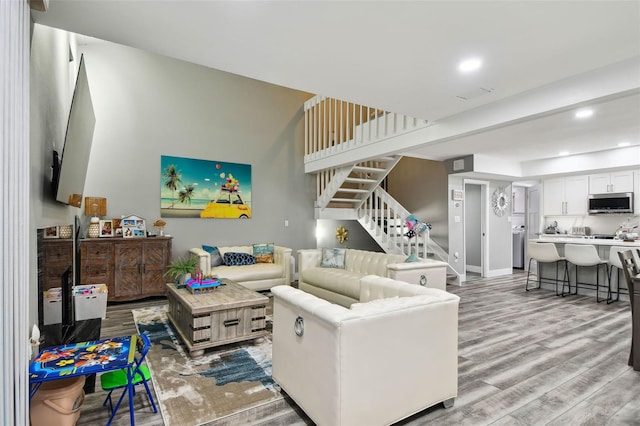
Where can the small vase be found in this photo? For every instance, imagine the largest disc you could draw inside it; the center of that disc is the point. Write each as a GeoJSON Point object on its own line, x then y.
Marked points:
{"type": "Point", "coordinates": [65, 231]}
{"type": "Point", "coordinates": [94, 230]}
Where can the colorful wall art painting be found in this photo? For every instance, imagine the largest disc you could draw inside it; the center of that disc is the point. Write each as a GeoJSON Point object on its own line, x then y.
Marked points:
{"type": "Point", "coordinates": [204, 188]}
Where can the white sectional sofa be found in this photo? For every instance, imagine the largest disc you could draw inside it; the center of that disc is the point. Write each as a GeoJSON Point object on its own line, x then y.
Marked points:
{"type": "Point", "coordinates": [380, 361]}
{"type": "Point", "coordinates": [260, 276]}
{"type": "Point", "coordinates": [342, 285]}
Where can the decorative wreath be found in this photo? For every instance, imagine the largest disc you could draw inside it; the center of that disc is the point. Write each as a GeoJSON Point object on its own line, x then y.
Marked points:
{"type": "Point", "coordinates": [342, 234]}
{"type": "Point", "coordinates": [499, 202]}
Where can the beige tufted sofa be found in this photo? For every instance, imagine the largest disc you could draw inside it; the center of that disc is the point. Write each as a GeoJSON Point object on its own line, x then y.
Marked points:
{"type": "Point", "coordinates": [376, 363]}
{"type": "Point", "coordinates": [342, 286]}
{"type": "Point", "coordinates": [261, 276]}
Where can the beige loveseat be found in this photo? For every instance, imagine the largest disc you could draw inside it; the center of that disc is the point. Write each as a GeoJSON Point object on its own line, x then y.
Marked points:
{"type": "Point", "coordinates": [342, 285]}
{"type": "Point", "coordinates": [260, 276]}
{"type": "Point", "coordinates": [379, 362]}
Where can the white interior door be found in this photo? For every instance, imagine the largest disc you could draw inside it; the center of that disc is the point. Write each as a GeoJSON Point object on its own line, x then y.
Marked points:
{"type": "Point", "coordinates": [475, 226]}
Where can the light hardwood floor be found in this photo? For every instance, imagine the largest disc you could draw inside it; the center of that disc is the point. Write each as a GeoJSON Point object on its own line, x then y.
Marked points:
{"type": "Point", "coordinates": [525, 358]}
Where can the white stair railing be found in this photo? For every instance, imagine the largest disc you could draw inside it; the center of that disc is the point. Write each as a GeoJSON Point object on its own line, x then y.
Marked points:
{"type": "Point", "coordinates": [334, 126]}
{"type": "Point", "coordinates": [385, 220]}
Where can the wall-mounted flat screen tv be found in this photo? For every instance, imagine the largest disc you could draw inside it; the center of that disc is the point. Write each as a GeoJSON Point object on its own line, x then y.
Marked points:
{"type": "Point", "coordinates": [69, 175]}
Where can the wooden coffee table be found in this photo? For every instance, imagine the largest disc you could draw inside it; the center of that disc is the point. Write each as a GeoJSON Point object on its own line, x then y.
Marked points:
{"type": "Point", "coordinates": [231, 313]}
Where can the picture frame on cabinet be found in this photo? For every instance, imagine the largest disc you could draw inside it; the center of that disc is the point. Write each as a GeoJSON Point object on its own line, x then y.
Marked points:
{"type": "Point", "coordinates": [133, 227]}
{"type": "Point", "coordinates": [51, 232]}
{"type": "Point", "coordinates": [106, 228]}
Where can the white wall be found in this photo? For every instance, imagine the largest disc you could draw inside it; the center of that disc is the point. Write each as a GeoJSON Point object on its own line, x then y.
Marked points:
{"type": "Point", "coordinates": [148, 105]}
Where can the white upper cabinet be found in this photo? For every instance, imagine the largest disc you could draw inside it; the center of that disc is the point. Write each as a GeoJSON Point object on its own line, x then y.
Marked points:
{"type": "Point", "coordinates": [566, 196]}
{"type": "Point", "coordinates": [611, 182]}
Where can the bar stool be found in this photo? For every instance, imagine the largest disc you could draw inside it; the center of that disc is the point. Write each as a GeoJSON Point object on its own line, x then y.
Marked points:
{"type": "Point", "coordinates": [614, 262]}
{"type": "Point", "coordinates": [546, 253]}
{"type": "Point", "coordinates": [586, 255]}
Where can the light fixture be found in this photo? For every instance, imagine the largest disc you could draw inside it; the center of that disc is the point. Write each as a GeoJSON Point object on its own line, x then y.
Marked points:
{"type": "Point", "coordinates": [563, 153]}
{"type": "Point", "coordinates": [470, 65]}
{"type": "Point", "coordinates": [96, 207]}
{"type": "Point", "coordinates": [584, 113]}
{"type": "Point", "coordinates": [623, 144]}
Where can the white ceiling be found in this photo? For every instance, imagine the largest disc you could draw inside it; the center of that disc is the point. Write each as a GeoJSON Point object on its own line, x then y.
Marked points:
{"type": "Point", "coordinates": [402, 57]}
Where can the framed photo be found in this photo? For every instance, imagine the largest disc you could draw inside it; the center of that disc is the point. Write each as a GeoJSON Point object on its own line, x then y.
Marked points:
{"type": "Point", "coordinates": [133, 227]}
{"type": "Point", "coordinates": [106, 228]}
{"type": "Point", "coordinates": [51, 232]}
{"type": "Point", "coordinates": [117, 232]}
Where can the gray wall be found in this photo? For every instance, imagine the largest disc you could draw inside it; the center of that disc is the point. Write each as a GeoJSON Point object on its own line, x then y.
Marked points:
{"type": "Point", "coordinates": [358, 237]}
{"type": "Point", "coordinates": [148, 105]}
{"type": "Point", "coordinates": [421, 187]}
{"type": "Point", "coordinates": [52, 78]}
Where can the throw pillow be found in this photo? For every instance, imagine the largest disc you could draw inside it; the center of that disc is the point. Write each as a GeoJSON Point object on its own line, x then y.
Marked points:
{"type": "Point", "coordinates": [333, 258]}
{"type": "Point", "coordinates": [263, 253]}
{"type": "Point", "coordinates": [216, 259]}
{"type": "Point", "coordinates": [238, 259]}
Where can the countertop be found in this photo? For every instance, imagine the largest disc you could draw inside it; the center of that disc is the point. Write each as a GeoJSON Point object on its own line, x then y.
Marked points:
{"type": "Point", "coordinates": [576, 239]}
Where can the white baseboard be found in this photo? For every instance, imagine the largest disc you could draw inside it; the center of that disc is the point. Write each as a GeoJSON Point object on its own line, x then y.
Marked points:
{"type": "Point", "coordinates": [475, 269]}
{"type": "Point", "coordinates": [499, 272]}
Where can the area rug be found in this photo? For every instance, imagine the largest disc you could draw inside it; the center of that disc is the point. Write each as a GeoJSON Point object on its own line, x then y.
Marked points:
{"type": "Point", "coordinates": [225, 381]}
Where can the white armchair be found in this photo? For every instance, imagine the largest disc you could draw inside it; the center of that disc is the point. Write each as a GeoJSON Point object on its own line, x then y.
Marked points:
{"type": "Point", "coordinates": [376, 363]}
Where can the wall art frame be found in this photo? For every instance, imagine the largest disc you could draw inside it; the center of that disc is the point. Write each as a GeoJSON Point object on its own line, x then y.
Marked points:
{"type": "Point", "coordinates": [206, 189]}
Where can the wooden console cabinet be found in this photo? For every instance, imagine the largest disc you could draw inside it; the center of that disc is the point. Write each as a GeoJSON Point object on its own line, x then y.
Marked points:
{"type": "Point", "coordinates": [132, 268]}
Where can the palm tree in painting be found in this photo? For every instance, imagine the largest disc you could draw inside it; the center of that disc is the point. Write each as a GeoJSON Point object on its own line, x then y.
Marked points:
{"type": "Point", "coordinates": [184, 196]}
{"type": "Point", "coordinates": [173, 179]}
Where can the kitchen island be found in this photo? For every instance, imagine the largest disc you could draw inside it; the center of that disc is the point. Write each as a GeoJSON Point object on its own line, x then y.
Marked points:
{"type": "Point", "coordinates": [587, 275]}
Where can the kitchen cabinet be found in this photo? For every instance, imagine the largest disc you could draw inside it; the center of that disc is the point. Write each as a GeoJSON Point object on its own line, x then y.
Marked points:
{"type": "Point", "coordinates": [132, 268]}
{"type": "Point", "coordinates": [601, 183]}
{"type": "Point", "coordinates": [57, 256]}
{"type": "Point", "coordinates": [566, 196]}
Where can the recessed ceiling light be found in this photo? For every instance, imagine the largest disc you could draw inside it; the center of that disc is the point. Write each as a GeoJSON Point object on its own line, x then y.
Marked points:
{"type": "Point", "coordinates": [584, 113]}
{"type": "Point", "coordinates": [470, 65]}
{"type": "Point", "coordinates": [623, 144]}
{"type": "Point", "coordinates": [563, 153]}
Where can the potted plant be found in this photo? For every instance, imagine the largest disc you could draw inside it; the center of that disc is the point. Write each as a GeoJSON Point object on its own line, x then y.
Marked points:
{"type": "Point", "coordinates": [180, 270]}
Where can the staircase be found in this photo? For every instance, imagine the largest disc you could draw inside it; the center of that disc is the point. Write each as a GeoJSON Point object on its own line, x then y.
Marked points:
{"type": "Point", "coordinates": [350, 185]}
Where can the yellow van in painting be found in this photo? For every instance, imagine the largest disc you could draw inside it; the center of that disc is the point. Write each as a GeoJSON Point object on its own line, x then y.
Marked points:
{"type": "Point", "coordinates": [228, 205]}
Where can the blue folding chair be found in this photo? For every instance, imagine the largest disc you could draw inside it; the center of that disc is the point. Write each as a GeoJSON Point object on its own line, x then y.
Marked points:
{"type": "Point", "coordinates": [117, 379]}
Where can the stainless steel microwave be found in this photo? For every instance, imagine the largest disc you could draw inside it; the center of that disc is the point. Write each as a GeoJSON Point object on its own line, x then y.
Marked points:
{"type": "Point", "coordinates": [621, 202]}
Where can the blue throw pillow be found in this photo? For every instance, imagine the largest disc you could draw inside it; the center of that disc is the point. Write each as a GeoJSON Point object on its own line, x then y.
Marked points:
{"type": "Point", "coordinates": [237, 259]}
{"type": "Point", "coordinates": [333, 258]}
{"type": "Point", "coordinates": [263, 253]}
{"type": "Point", "coordinates": [216, 259]}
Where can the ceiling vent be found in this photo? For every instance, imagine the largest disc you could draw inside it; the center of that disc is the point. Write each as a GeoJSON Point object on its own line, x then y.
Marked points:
{"type": "Point", "coordinates": [474, 93]}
